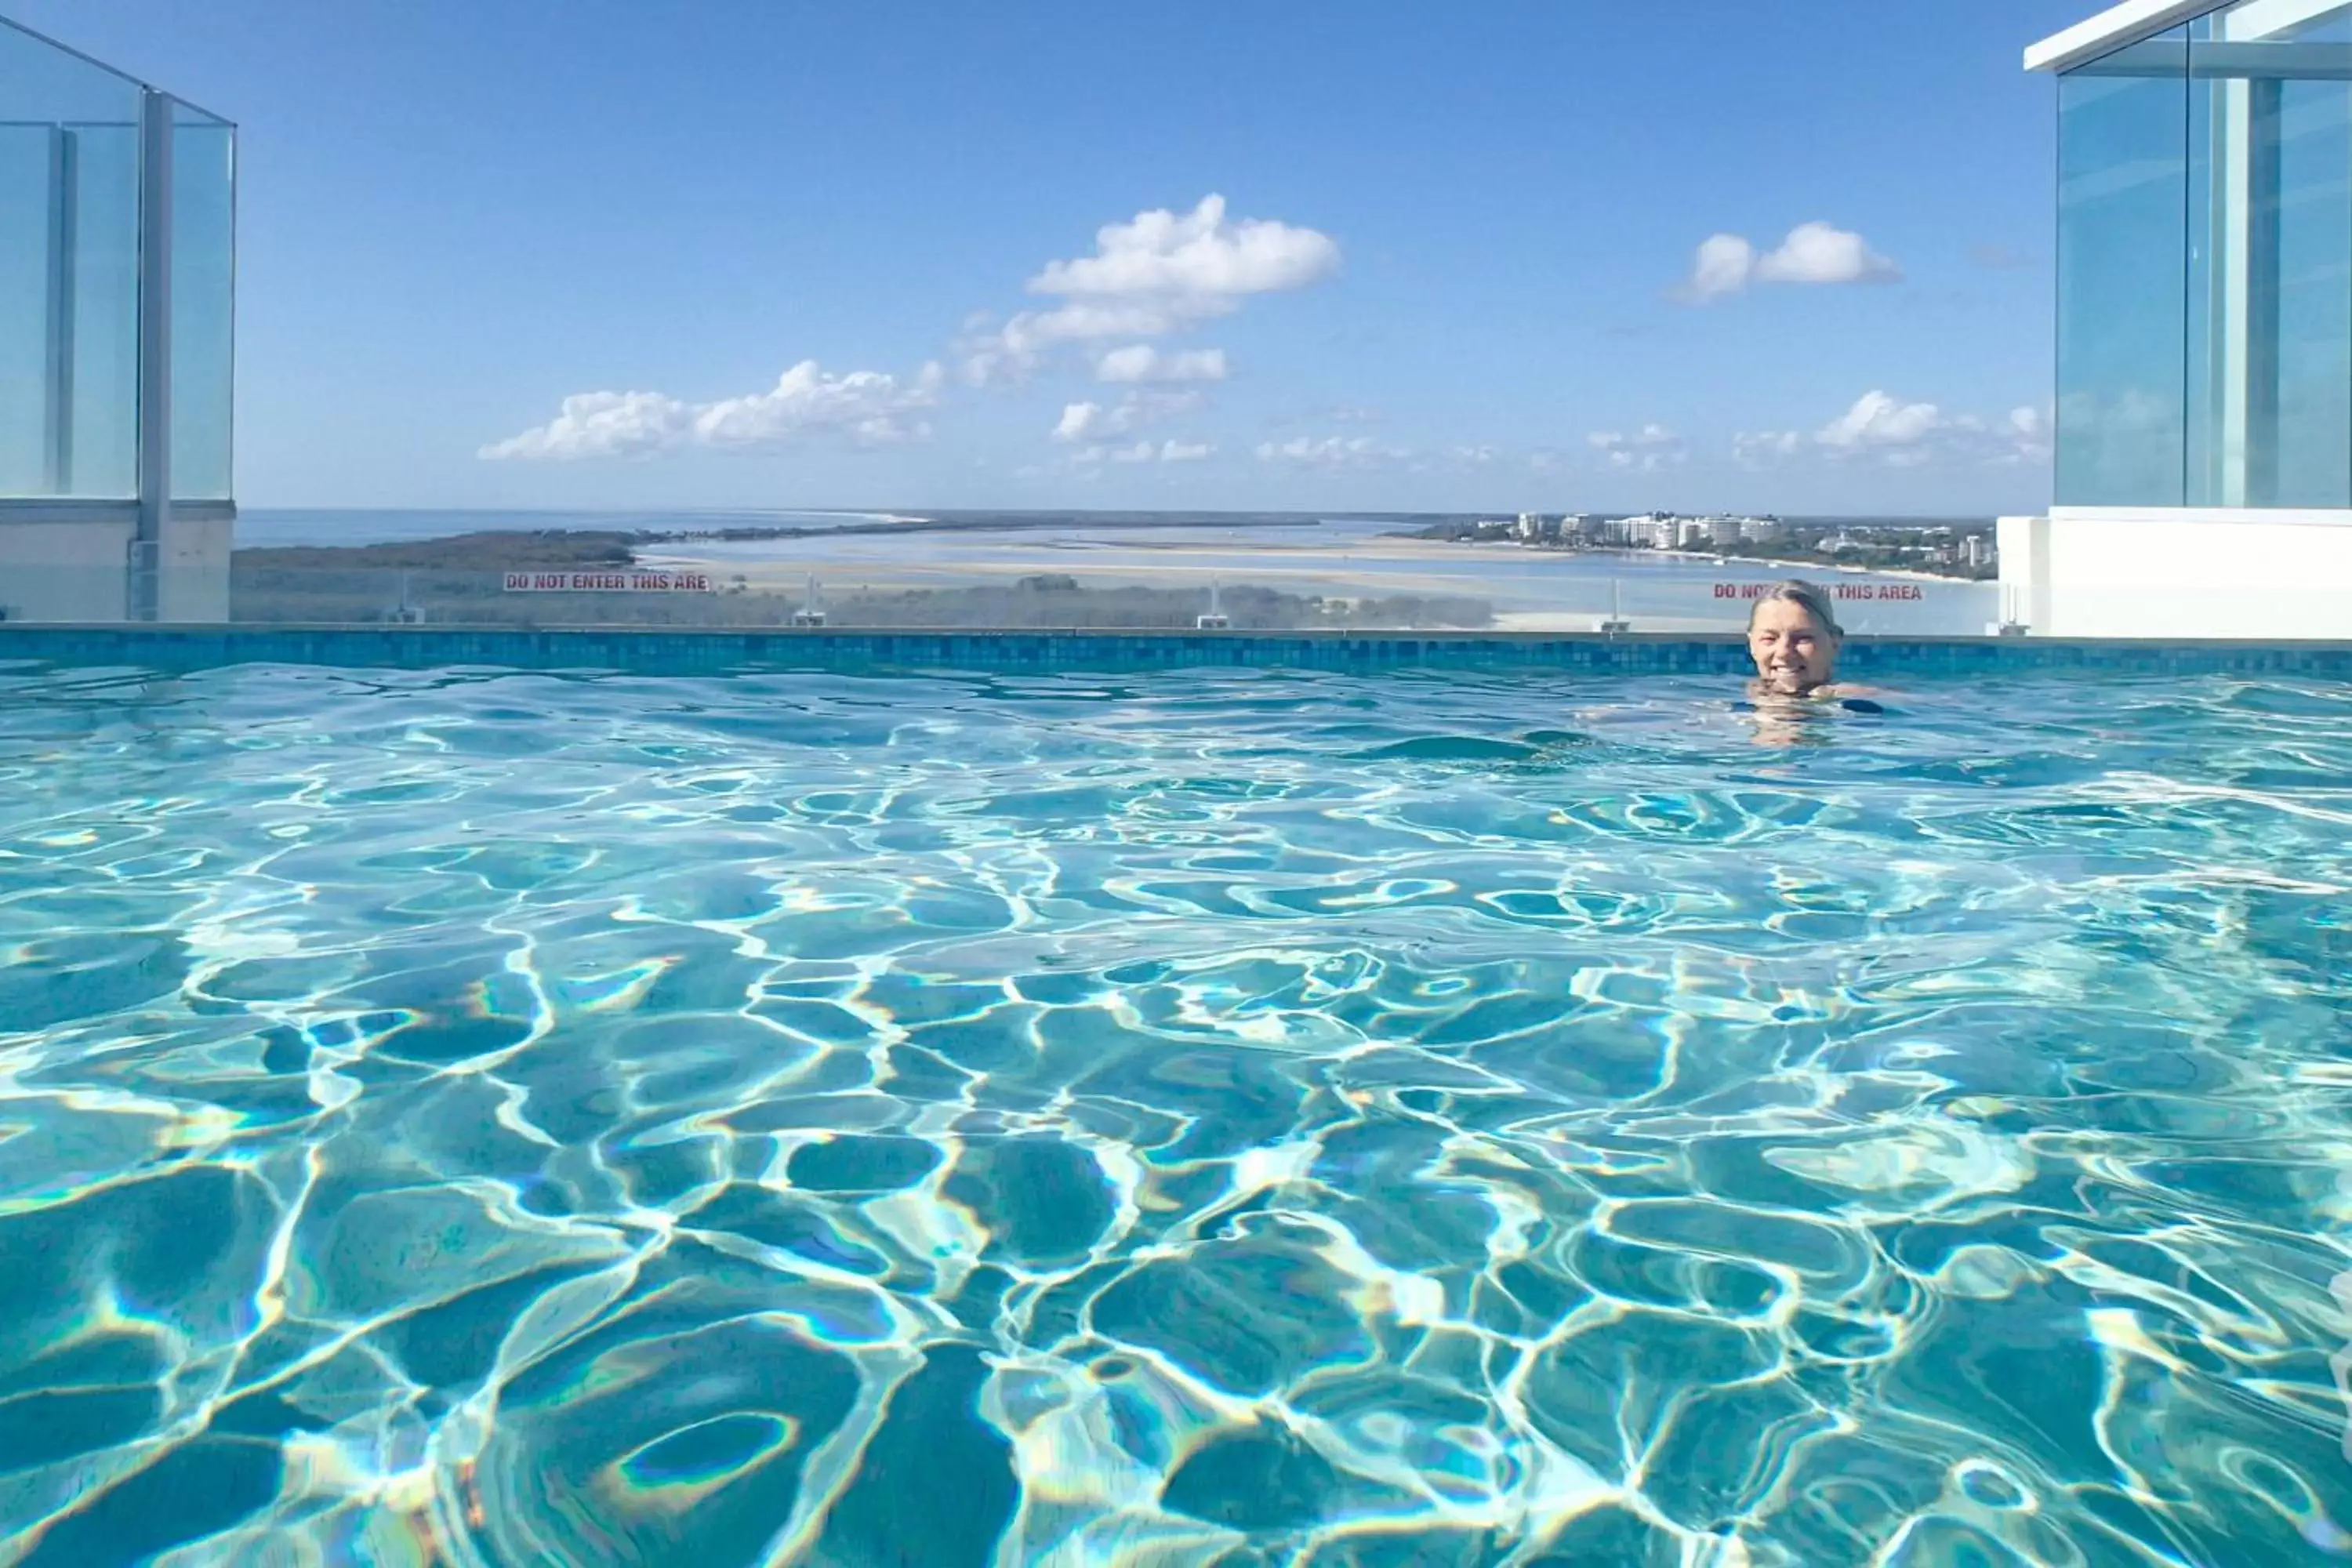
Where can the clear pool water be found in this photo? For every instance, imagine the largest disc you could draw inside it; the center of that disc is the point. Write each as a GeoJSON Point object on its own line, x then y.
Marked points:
{"type": "Point", "coordinates": [1222, 1118]}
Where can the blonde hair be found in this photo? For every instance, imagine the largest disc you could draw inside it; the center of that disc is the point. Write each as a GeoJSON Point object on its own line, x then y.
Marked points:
{"type": "Point", "coordinates": [1796, 591]}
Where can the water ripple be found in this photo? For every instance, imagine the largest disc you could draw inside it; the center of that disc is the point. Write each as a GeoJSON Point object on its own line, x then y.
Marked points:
{"type": "Point", "coordinates": [1222, 1118]}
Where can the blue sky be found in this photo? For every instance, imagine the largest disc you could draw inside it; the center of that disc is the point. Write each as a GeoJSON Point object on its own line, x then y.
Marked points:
{"type": "Point", "coordinates": [1453, 266]}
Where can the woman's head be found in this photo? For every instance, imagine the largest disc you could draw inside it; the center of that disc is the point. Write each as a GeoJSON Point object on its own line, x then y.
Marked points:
{"type": "Point", "coordinates": [1794, 636]}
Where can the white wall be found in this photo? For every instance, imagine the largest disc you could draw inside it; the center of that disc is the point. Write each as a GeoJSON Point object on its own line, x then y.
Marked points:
{"type": "Point", "coordinates": [2114, 571]}
{"type": "Point", "coordinates": [75, 569]}
{"type": "Point", "coordinates": [194, 584]}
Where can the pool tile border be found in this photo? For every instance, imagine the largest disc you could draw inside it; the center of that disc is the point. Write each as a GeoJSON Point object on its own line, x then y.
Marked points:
{"type": "Point", "coordinates": [707, 652]}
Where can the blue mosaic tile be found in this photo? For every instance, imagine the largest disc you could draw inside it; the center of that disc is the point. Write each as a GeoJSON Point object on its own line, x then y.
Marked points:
{"type": "Point", "coordinates": [708, 652]}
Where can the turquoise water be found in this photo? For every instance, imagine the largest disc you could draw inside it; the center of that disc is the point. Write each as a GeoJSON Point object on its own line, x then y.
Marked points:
{"type": "Point", "coordinates": [1228, 1118]}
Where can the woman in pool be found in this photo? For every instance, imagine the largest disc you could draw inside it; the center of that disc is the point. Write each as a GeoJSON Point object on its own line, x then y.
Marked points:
{"type": "Point", "coordinates": [1794, 638]}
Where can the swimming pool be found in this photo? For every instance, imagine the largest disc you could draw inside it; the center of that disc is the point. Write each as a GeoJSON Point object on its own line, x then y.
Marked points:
{"type": "Point", "coordinates": [1205, 1117]}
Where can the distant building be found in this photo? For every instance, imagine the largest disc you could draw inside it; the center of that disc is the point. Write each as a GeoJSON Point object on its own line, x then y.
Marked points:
{"type": "Point", "coordinates": [1693, 532]}
{"type": "Point", "coordinates": [1661, 532]}
{"type": "Point", "coordinates": [1761, 530]}
{"type": "Point", "coordinates": [1976, 550]}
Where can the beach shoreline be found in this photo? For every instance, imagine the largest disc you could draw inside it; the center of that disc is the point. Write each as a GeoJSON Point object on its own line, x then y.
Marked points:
{"type": "Point", "coordinates": [1793, 568]}
{"type": "Point", "coordinates": [1341, 567]}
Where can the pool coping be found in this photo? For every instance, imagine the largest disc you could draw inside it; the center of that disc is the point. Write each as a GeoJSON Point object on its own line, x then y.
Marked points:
{"type": "Point", "coordinates": [713, 651]}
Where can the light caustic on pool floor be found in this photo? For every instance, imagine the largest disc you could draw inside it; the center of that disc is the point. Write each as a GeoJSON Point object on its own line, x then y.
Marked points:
{"type": "Point", "coordinates": [1222, 1118]}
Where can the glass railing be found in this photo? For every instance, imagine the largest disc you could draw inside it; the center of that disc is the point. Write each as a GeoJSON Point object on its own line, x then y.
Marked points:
{"type": "Point", "coordinates": [69, 274]}
{"type": "Point", "coordinates": [1074, 573]}
{"type": "Point", "coordinates": [203, 216]}
{"type": "Point", "coordinates": [1173, 573]}
{"type": "Point", "coordinates": [2205, 265]}
{"type": "Point", "coordinates": [73, 158]}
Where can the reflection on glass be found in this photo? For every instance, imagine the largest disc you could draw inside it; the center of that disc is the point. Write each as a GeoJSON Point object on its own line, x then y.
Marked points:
{"type": "Point", "coordinates": [2271, 263]}
{"type": "Point", "coordinates": [69, 273]}
{"type": "Point", "coordinates": [2205, 244]}
{"type": "Point", "coordinates": [2122, 236]}
{"type": "Point", "coordinates": [203, 213]}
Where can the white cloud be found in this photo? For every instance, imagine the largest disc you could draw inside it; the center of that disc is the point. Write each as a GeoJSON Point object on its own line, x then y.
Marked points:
{"type": "Point", "coordinates": [1141, 362]}
{"type": "Point", "coordinates": [1331, 452]}
{"type": "Point", "coordinates": [1818, 253]}
{"type": "Point", "coordinates": [867, 405]}
{"type": "Point", "coordinates": [1877, 419]}
{"type": "Point", "coordinates": [1169, 451]}
{"type": "Point", "coordinates": [1159, 273]}
{"type": "Point", "coordinates": [1812, 253]}
{"type": "Point", "coordinates": [992, 353]}
{"type": "Point", "coordinates": [863, 408]}
{"type": "Point", "coordinates": [1079, 421]}
{"type": "Point", "coordinates": [1723, 266]}
{"type": "Point", "coordinates": [602, 424]}
{"type": "Point", "coordinates": [1883, 428]}
{"type": "Point", "coordinates": [1648, 450]}
{"type": "Point", "coordinates": [2024, 436]}
{"type": "Point", "coordinates": [1196, 257]}
{"type": "Point", "coordinates": [1761, 448]}
{"type": "Point", "coordinates": [998, 354]}
{"type": "Point", "coordinates": [1476, 457]}
{"type": "Point", "coordinates": [1089, 420]}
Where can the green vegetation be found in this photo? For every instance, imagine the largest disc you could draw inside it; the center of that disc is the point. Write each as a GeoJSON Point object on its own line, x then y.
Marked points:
{"type": "Point", "coordinates": [490, 551]}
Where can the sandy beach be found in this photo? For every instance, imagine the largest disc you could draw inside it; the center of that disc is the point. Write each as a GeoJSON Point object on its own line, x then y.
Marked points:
{"type": "Point", "coordinates": [1531, 590]}
{"type": "Point", "coordinates": [1387, 566]}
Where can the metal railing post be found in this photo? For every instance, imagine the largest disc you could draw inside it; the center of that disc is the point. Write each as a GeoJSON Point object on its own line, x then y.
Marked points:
{"type": "Point", "coordinates": [57, 377]}
{"type": "Point", "coordinates": [155, 125]}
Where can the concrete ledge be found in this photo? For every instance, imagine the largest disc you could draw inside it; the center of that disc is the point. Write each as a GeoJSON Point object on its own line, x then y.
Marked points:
{"type": "Point", "coordinates": [76, 508]}
{"type": "Point", "coordinates": [653, 651]}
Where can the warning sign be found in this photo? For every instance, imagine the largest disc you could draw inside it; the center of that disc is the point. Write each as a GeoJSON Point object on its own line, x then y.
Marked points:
{"type": "Point", "coordinates": [632, 580]}
{"type": "Point", "coordinates": [1837, 590]}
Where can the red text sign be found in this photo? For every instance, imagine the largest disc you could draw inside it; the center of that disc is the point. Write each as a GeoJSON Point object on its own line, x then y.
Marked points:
{"type": "Point", "coordinates": [633, 580]}
{"type": "Point", "coordinates": [1837, 590]}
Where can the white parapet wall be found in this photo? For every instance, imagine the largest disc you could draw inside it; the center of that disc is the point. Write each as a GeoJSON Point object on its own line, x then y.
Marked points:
{"type": "Point", "coordinates": [64, 568]}
{"type": "Point", "coordinates": [195, 556]}
{"type": "Point", "coordinates": [2176, 573]}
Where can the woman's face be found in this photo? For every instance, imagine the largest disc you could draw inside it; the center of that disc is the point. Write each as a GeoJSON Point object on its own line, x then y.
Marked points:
{"type": "Point", "coordinates": [1792, 650]}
